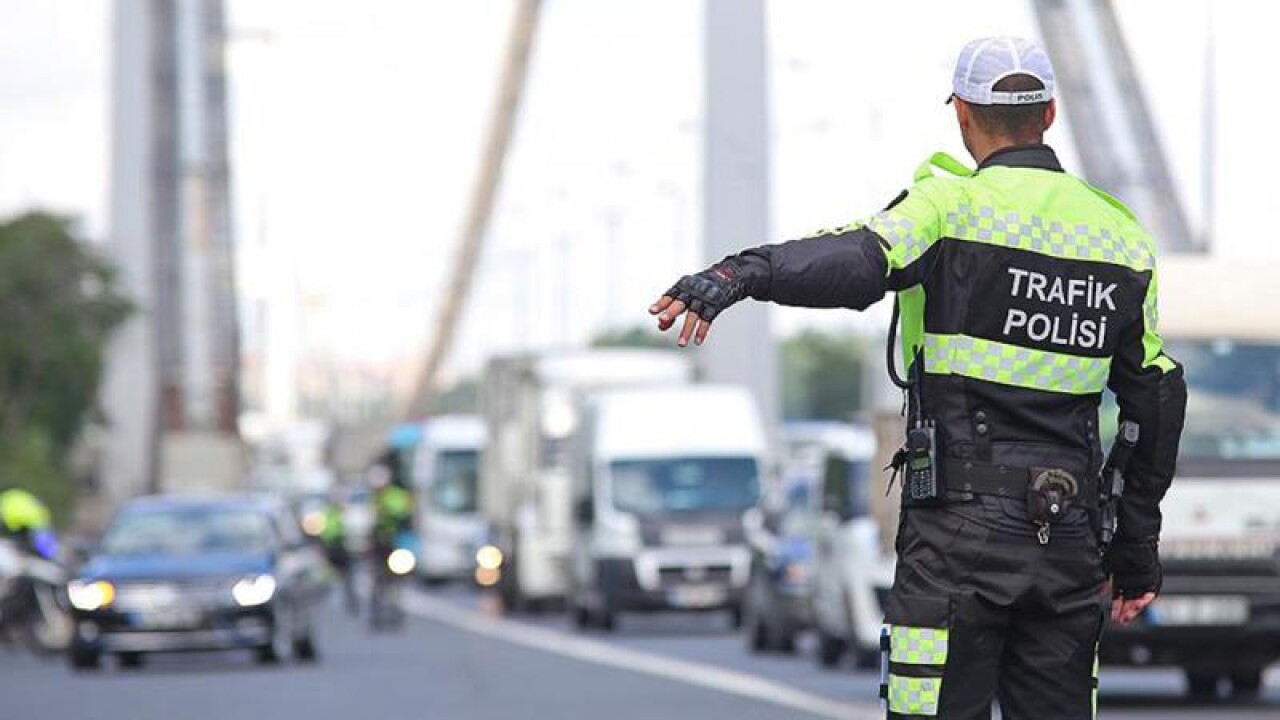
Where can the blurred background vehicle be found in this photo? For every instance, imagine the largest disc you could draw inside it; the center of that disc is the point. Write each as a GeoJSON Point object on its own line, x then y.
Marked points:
{"type": "Point", "coordinates": [446, 479]}
{"type": "Point", "coordinates": [852, 571]}
{"type": "Point", "coordinates": [177, 574]}
{"type": "Point", "coordinates": [395, 546]}
{"type": "Point", "coordinates": [778, 602]}
{"type": "Point", "coordinates": [1218, 614]}
{"type": "Point", "coordinates": [33, 608]}
{"type": "Point", "coordinates": [390, 572]}
{"type": "Point", "coordinates": [659, 504]}
{"type": "Point", "coordinates": [531, 407]}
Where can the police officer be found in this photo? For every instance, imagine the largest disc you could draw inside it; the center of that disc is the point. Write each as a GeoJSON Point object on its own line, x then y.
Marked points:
{"type": "Point", "coordinates": [27, 520]}
{"type": "Point", "coordinates": [1023, 292]}
{"type": "Point", "coordinates": [334, 537]}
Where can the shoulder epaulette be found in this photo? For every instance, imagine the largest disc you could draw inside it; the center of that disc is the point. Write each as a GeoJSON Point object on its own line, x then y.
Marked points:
{"type": "Point", "coordinates": [944, 162]}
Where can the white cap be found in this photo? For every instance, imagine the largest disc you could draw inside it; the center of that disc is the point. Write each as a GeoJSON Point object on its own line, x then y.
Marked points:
{"type": "Point", "coordinates": [985, 62]}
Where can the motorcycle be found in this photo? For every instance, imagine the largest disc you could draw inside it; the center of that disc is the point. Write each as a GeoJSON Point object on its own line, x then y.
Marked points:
{"type": "Point", "coordinates": [33, 608]}
{"type": "Point", "coordinates": [389, 573]}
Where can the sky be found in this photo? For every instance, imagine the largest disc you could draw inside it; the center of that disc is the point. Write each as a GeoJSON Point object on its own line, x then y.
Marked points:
{"type": "Point", "coordinates": [357, 128]}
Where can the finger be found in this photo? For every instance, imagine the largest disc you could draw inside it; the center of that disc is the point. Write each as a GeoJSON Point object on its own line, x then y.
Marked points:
{"type": "Point", "coordinates": [700, 336]}
{"type": "Point", "coordinates": [1133, 607]}
{"type": "Point", "coordinates": [1139, 604]}
{"type": "Point", "coordinates": [690, 322]}
{"type": "Point", "coordinates": [1131, 610]}
{"type": "Point", "coordinates": [1116, 605]}
{"type": "Point", "coordinates": [669, 315]}
{"type": "Point", "coordinates": [661, 304]}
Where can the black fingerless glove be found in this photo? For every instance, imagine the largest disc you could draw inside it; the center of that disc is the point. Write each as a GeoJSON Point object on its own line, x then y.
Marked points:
{"type": "Point", "coordinates": [1134, 567]}
{"type": "Point", "coordinates": [712, 291]}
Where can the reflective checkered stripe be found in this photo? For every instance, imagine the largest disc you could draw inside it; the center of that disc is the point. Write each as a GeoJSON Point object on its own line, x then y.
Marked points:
{"type": "Point", "coordinates": [1013, 365]}
{"type": "Point", "coordinates": [1152, 343]}
{"type": "Point", "coordinates": [914, 695]}
{"type": "Point", "coordinates": [1069, 241]}
{"type": "Point", "coordinates": [907, 239]}
{"type": "Point", "coordinates": [912, 679]}
{"type": "Point", "coordinates": [917, 646]}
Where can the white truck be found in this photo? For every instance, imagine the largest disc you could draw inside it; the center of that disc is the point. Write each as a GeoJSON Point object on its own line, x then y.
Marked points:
{"type": "Point", "coordinates": [659, 499]}
{"type": "Point", "coordinates": [445, 477]}
{"type": "Point", "coordinates": [852, 570]}
{"type": "Point", "coordinates": [1218, 615]}
{"type": "Point", "coordinates": [531, 404]}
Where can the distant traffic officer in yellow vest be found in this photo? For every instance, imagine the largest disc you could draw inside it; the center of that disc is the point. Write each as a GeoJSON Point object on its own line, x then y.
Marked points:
{"type": "Point", "coordinates": [1023, 292]}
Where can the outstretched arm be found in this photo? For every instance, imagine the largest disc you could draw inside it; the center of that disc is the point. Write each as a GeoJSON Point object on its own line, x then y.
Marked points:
{"type": "Point", "coordinates": [842, 269]}
{"type": "Point", "coordinates": [851, 268]}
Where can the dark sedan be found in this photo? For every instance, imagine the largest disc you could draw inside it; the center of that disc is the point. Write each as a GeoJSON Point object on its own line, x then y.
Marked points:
{"type": "Point", "coordinates": [176, 574]}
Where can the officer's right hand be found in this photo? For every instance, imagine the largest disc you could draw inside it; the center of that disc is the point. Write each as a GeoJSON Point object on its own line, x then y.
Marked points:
{"type": "Point", "coordinates": [1136, 577]}
{"type": "Point", "coordinates": [1124, 610]}
{"type": "Point", "coordinates": [700, 298]}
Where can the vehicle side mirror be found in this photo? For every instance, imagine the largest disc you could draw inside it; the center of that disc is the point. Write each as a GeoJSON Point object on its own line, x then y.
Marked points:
{"type": "Point", "coordinates": [584, 511]}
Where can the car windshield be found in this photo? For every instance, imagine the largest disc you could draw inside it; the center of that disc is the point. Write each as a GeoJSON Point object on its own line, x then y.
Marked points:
{"type": "Point", "coordinates": [656, 486]}
{"type": "Point", "coordinates": [189, 531]}
{"type": "Point", "coordinates": [454, 489]}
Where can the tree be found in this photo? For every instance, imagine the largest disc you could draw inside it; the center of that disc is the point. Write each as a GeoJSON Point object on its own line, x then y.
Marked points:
{"type": "Point", "coordinates": [822, 376]}
{"type": "Point", "coordinates": [59, 303]}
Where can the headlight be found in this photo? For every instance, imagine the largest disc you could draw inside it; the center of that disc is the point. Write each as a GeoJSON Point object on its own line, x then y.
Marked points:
{"type": "Point", "coordinates": [90, 596]}
{"type": "Point", "coordinates": [253, 590]}
{"type": "Point", "coordinates": [401, 561]}
{"type": "Point", "coordinates": [488, 558]}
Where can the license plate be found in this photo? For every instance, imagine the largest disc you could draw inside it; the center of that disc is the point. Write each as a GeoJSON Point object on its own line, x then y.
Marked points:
{"type": "Point", "coordinates": [692, 596]}
{"type": "Point", "coordinates": [1200, 610]}
{"type": "Point", "coordinates": [168, 619]}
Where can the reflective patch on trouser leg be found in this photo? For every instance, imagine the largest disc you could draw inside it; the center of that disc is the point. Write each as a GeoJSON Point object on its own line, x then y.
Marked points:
{"type": "Point", "coordinates": [918, 639]}
{"type": "Point", "coordinates": [914, 695]}
{"type": "Point", "coordinates": [918, 645]}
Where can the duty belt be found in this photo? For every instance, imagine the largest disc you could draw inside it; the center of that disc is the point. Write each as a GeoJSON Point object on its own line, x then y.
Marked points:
{"type": "Point", "coordinates": [1008, 481]}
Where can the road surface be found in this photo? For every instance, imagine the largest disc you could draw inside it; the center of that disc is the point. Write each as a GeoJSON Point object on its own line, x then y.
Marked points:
{"type": "Point", "coordinates": [455, 659]}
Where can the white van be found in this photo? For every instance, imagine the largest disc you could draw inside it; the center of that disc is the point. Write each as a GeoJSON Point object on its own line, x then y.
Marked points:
{"type": "Point", "coordinates": [852, 572]}
{"type": "Point", "coordinates": [531, 405]}
{"type": "Point", "coordinates": [444, 472]}
{"type": "Point", "coordinates": [660, 498]}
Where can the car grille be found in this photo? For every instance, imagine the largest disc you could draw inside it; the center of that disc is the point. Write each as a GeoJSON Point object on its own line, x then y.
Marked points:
{"type": "Point", "coordinates": [673, 576]}
{"type": "Point", "coordinates": [138, 596]}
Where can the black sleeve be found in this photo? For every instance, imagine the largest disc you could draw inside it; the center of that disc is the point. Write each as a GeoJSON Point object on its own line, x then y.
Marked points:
{"type": "Point", "coordinates": [1151, 391]}
{"type": "Point", "coordinates": [846, 269]}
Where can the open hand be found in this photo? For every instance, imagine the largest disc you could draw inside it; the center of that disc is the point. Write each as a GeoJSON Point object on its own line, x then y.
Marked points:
{"type": "Point", "coordinates": [668, 310]}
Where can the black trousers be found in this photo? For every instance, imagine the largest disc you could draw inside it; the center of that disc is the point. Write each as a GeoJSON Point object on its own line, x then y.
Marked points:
{"type": "Point", "coordinates": [980, 610]}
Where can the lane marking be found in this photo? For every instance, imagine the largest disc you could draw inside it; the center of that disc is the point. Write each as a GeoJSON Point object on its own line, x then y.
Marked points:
{"type": "Point", "coordinates": [601, 653]}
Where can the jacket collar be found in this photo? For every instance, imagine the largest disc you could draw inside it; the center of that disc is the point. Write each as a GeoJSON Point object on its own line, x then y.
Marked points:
{"type": "Point", "coordinates": [1040, 157]}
